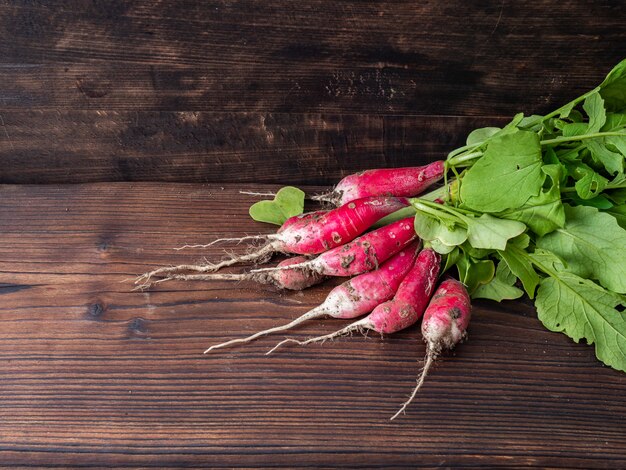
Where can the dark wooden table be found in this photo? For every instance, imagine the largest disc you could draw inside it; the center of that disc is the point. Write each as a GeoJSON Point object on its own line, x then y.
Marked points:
{"type": "Point", "coordinates": [129, 128]}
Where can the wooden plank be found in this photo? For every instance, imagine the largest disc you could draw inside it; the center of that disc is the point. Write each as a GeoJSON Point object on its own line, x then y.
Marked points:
{"type": "Point", "coordinates": [458, 58]}
{"type": "Point", "coordinates": [317, 148]}
{"type": "Point", "coordinates": [96, 375]}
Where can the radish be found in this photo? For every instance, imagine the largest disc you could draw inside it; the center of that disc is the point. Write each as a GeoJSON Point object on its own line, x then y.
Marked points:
{"type": "Point", "coordinates": [306, 234]}
{"type": "Point", "coordinates": [400, 182]}
{"type": "Point", "coordinates": [354, 297]}
{"type": "Point", "coordinates": [403, 310]}
{"type": "Point", "coordinates": [295, 279]}
{"type": "Point", "coordinates": [360, 255]}
{"type": "Point", "coordinates": [444, 325]}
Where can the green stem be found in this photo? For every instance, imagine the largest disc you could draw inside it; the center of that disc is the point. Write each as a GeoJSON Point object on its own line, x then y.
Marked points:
{"type": "Point", "coordinates": [438, 213]}
{"type": "Point", "coordinates": [609, 186]}
{"type": "Point", "coordinates": [572, 103]}
{"type": "Point", "coordinates": [576, 138]}
{"type": "Point", "coordinates": [455, 161]}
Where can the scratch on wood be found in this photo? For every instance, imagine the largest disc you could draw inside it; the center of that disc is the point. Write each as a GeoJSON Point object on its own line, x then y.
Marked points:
{"type": "Point", "coordinates": [6, 132]}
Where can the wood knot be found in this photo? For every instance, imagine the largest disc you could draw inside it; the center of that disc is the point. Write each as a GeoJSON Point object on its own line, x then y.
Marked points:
{"type": "Point", "coordinates": [96, 310]}
{"type": "Point", "coordinates": [138, 327]}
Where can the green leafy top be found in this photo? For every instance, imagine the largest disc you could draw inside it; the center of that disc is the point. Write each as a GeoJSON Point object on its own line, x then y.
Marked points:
{"type": "Point", "coordinates": [288, 202]}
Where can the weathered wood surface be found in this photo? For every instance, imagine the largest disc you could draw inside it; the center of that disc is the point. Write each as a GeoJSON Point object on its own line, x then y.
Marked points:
{"type": "Point", "coordinates": [92, 374]}
{"type": "Point", "coordinates": [109, 91]}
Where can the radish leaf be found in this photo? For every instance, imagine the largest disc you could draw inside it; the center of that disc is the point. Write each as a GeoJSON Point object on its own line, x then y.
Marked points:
{"type": "Point", "coordinates": [592, 244]}
{"type": "Point", "coordinates": [288, 202]}
{"type": "Point", "coordinates": [581, 309]}
{"type": "Point", "coordinates": [501, 287]}
{"type": "Point", "coordinates": [506, 176]}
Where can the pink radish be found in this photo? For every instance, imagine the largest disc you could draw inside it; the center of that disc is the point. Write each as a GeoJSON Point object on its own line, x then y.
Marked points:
{"type": "Point", "coordinates": [306, 234]}
{"type": "Point", "coordinates": [444, 325]}
{"type": "Point", "coordinates": [403, 310]}
{"type": "Point", "coordinates": [360, 255]}
{"type": "Point", "coordinates": [354, 297]}
{"type": "Point", "coordinates": [401, 182]}
{"type": "Point", "coordinates": [294, 279]}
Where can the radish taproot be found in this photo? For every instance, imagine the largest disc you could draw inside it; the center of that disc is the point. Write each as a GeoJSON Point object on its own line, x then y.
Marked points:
{"type": "Point", "coordinates": [353, 298]}
{"type": "Point", "coordinates": [362, 254]}
{"type": "Point", "coordinates": [406, 307]}
{"type": "Point", "coordinates": [444, 325]}
{"type": "Point", "coordinates": [306, 234]}
{"type": "Point", "coordinates": [399, 182]}
{"type": "Point", "coordinates": [291, 279]}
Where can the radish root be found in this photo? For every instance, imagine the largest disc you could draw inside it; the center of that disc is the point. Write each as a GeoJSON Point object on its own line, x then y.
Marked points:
{"type": "Point", "coordinates": [196, 277]}
{"type": "Point", "coordinates": [238, 240]}
{"type": "Point", "coordinates": [252, 193]}
{"type": "Point", "coordinates": [330, 197]}
{"type": "Point", "coordinates": [360, 325]}
{"type": "Point", "coordinates": [315, 313]}
{"type": "Point", "coordinates": [431, 355]}
{"type": "Point", "coordinates": [261, 255]}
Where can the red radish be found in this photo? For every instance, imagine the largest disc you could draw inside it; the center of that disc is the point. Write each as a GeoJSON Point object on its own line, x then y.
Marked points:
{"type": "Point", "coordinates": [306, 234]}
{"type": "Point", "coordinates": [360, 255]}
{"type": "Point", "coordinates": [354, 297]}
{"type": "Point", "coordinates": [296, 279]}
{"type": "Point", "coordinates": [444, 325]}
{"type": "Point", "coordinates": [400, 182]}
{"type": "Point", "coordinates": [403, 310]}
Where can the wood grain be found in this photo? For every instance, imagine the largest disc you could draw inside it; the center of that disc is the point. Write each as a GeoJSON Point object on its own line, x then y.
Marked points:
{"type": "Point", "coordinates": [88, 146]}
{"type": "Point", "coordinates": [124, 72]}
{"type": "Point", "coordinates": [96, 375]}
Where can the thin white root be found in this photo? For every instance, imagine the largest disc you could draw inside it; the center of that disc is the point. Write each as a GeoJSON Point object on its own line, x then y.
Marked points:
{"type": "Point", "coordinates": [238, 240]}
{"type": "Point", "coordinates": [195, 277]}
{"type": "Point", "coordinates": [358, 325]}
{"type": "Point", "coordinates": [325, 197]}
{"type": "Point", "coordinates": [252, 193]}
{"type": "Point", "coordinates": [315, 313]}
{"type": "Point", "coordinates": [430, 357]}
{"type": "Point", "coordinates": [303, 265]}
{"type": "Point", "coordinates": [260, 256]}
{"type": "Point", "coordinates": [166, 271]}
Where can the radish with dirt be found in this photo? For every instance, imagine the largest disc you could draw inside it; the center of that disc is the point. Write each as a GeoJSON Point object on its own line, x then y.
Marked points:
{"type": "Point", "coordinates": [306, 234]}
{"type": "Point", "coordinates": [289, 279]}
{"type": "Point", "coordinates": [444, 325]}
{"type": "Point", "coordinates": [353, 298]}
{"type": "Point", "coordinates": [403, 310]}
{"type": "Point", "coordinates": [407, 182]}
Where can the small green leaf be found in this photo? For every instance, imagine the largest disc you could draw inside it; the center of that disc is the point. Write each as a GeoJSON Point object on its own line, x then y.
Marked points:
{"type": "Point", "coordinates": [429, 228]}
{"type": "Point", "coordinates": [501, 287]}
{"type": "Point", "coordinates": [519, 264]}
{"type": "Point", "coordinates": [441, 248]}
{"type": "Point", "coordinates": [612, 161]}
{"type": "Point", "coordinates": [590, 185]}
{"type": "Point", "coordinates": [619, 214]}
{"type": "Point", "coordinates": [618, 142]}
{"type": "Point", "coordinates": [601, 202]}
{"type": "Point", "coordinates": [613, 88]}
{"type": "Point", "coordinates": [594, 107]}
{"type": "Point", "coordinates": [543, 213]}
{"type": "Point", "coordinates": [614, 122]}
{"type": "Point", "coordinates": [451, 259]}
{"type": "Point", "coordinates": [574, 128]}
{"type": "Point", "coordinates": [593, 246]}
{"type": "Point", "coordinates": [506, 176]}
{"type": "Point", "coordinates": [478, 136]}
{"type": "Point", "coordinates": [473, 273]}
{"type": "Point", "coordinates": [288, 202]}
{"type": "Point", "coordinates": [583, 310]}
{"type": "Point", "coordinates": [491, 233]}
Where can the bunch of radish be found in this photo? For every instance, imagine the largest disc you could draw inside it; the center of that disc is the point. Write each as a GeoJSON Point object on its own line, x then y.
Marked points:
{"type": "Point", "coordinates": [391, 275]}
{"type": "Point", "coordinates": [537, 207]}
